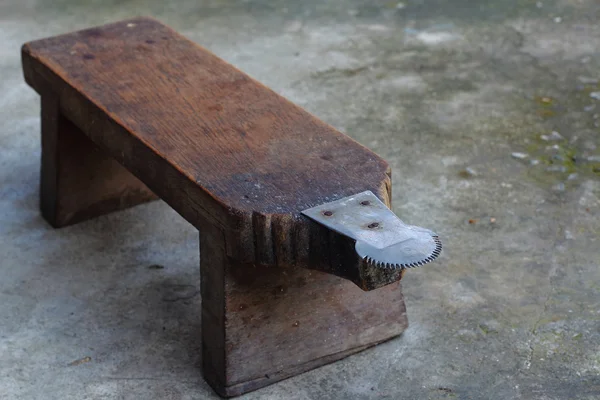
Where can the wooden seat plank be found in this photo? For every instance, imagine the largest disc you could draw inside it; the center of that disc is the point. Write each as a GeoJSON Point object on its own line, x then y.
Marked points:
{"type": "Point", "coordinates": [248, 148]}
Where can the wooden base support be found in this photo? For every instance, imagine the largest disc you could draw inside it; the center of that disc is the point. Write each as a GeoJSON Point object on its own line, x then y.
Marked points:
{"type": "Point", "coordinates": [79, 181]}
{"type": "Point", "coordinates": [263, 324]}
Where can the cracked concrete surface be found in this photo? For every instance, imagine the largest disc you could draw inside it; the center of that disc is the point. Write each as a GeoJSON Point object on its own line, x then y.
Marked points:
{"type": "Point", "coordinates": [446, 91]}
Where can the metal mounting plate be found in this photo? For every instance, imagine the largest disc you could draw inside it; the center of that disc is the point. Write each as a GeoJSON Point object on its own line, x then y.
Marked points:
{"type": "Point", "coordinates": [381, 237]}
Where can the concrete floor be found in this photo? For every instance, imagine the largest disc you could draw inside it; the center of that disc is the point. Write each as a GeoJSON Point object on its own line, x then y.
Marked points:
{"type": "Point", "coordinates": [446, 91]}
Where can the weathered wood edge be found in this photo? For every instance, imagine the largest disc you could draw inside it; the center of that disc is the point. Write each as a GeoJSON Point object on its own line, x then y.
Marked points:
{"type": "Point", "coordinates": [249, 386]}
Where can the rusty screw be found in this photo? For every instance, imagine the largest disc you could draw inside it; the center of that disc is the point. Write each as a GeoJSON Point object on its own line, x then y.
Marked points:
{"type": "Point", "coordinates": [373, 225]}
{"type": "Point", "coordinates": [327, 213]}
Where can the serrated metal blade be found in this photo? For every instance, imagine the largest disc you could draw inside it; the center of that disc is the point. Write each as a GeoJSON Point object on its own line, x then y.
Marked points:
{"type": "Point", "coordinates": [382, 239]}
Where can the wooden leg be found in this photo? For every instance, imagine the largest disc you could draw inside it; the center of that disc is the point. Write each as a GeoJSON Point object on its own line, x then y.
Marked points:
{"type": "Point", "coordinates": [78, 180]}
{"type": "Point", "coordinates": [264, 324]}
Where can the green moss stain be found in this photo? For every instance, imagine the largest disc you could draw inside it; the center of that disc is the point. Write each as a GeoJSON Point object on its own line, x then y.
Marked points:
{"type": "Point", "coordinates": [555, 153]}
{"type": "Point", "coordinates": [554, 163]}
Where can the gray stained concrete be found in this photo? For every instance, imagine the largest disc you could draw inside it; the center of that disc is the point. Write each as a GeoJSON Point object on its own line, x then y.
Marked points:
{"type": "Point", "coordinates": [455, 94]}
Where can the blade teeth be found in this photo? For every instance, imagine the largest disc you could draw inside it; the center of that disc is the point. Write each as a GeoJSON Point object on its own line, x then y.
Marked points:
{"type": "Point", "coordinates": [380, 264]}
{"type": "Point", "coordinates": [434, 254]}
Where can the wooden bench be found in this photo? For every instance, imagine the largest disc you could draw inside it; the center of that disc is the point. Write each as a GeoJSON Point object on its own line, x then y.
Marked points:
{"type": "Point", "coordinates": [133, 111]}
